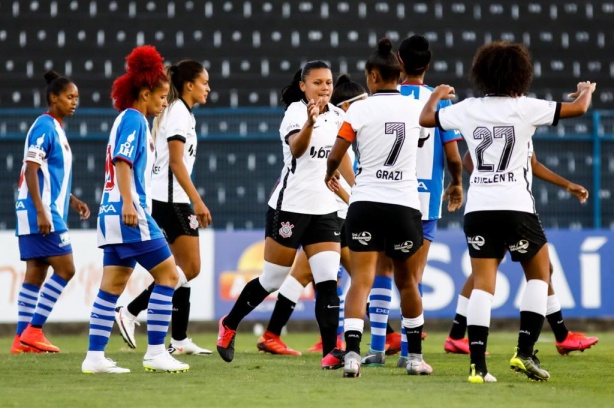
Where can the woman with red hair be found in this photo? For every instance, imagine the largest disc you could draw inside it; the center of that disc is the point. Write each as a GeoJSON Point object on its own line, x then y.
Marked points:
{"type": "Point", "coordinates": [126, 231]}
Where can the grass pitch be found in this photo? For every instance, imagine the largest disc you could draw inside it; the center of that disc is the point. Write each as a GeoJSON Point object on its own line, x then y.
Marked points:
{"type": "Point", "coordinates": [255, 379]}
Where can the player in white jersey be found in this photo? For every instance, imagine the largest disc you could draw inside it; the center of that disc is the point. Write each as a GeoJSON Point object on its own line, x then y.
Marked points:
{"type": "Point", "coordinates": [384, 214]}
{"type": "Point", "coordinates": [126, 231]}
{"type": "Point", "coordinates": [500, 211]}
{"type": "Point", "coordinates": [344, 94]}
{"type": "Point", "coordinates": [438, 149]}
{"type": "Point", "coordinates": [42, 211]}
{"type": "Point", "coordinates": [176, 206]}
{"type": "Point", "coordinates": [566, 340]}
{"type": "Point", "coordinates": [302, 211]}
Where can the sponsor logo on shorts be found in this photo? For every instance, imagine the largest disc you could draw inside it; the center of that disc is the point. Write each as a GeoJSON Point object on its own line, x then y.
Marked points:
{"type": "Point", "coordinates": [404, 247]}
{"type": "Point", "coordinates": [362, 237]}
{"type": "Point", "coordinates": [193, 221]}
{"type": "Point", "coordinates": [476, 242]}
{"type": "Point", "coordinates": [286, 229]}
{"type": "Point", "coordinates": [65, 239]}
{"type": "Point", "coordinates": [520, 247]}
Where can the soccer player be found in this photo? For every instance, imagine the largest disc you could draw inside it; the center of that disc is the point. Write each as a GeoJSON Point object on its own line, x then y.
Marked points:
{"type": "Point", "coordinates": [345, 93]}
{"type": "Point", "coordinates": [384, 213]}
{"type": "Point", "coordinates": [42, 211]}
{"type": "Point", "coordinates": [172, 193]}
{"type": "Point", "coordinates": [438, 149]}
{"type": "Point", "coordinates": [126, 231]}
{"type": "Point", "coordinates": [566, 341]}
{"type": "Point", "coordinates": [500, 211]}
{"type": "Point", "coordinates": [302, 211]}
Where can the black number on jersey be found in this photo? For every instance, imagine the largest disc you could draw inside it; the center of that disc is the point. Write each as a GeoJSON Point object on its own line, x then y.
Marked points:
{"type": "Point", "coordinates": [191, 150]}
{"type": "Point", "coordinates": [500, 132]}
{"type": "Point", "coordinates": [397, 129]}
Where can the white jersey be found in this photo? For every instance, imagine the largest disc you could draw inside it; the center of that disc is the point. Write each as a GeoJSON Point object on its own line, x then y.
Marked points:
{"type": "Point", "coordinates": [176, 123]}
{"type": "Point", "coordinates": [386, 130]}
{"type": "Point", "coordinates": [498, 132]}
{"type": "Point", "coordinates": [301, 187]}
{"type": "Point", "coordinates": [343, 207]}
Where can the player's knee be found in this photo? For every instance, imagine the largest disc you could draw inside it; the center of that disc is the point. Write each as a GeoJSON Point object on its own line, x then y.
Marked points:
{"type": "Point", "coordinates": [273, 276]}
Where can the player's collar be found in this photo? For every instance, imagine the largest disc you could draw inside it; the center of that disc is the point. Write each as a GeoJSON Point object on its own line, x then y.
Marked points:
{"type": "Point", "coordinates": [186, 104]}
{"type": "Point", "coordinates": [386, 91]}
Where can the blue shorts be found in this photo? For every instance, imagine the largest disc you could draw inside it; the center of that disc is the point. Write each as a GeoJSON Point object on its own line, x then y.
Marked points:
{"type": "Point", "coordinates": [428, 229]}
{"type": "Point", "coordinates": [148, 254]}
{"type": "Point", "coordinates": [35, 246]}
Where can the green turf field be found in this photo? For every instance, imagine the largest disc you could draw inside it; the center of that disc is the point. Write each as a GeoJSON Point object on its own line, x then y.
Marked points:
{"type": "Point", "coordinates": [261, 380]}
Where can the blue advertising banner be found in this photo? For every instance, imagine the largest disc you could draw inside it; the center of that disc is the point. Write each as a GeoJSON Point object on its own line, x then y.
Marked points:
{"type": "Point", "coordinates": [582, 263]}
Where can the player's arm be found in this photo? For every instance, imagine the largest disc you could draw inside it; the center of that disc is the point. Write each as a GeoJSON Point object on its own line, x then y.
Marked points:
{"type": "Point", "coordinates": [468, 163]}
{"type": "Point", "coordinates": [80, 207]}
{"type": "Point", "coordinates": [544, 173]}
{"type": "Point", "coordinates": [31, 177]}
{"type": "Point", "coordinates": [346, 169]}
{"type": "Point", "coordinates": [454, 191]}
{"type": "Point", "coordinates": [333, 162]}
{"type": "Point", "coordinates": [299, 141]}
{"type": "Point", "coordinates": [427, 116]}
{"type": "Point", "coordinates": [180, 171]}
{"type": "Point", "coordinates": [123, 174]}
{"type": "Point", "coordinates": [581, 103]}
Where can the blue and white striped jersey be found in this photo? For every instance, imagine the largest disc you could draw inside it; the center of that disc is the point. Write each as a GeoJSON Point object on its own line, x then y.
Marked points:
{"type": "Point", "coordinates": [430, 162]}
{"type": "Point", "coordinates": [130, 141]}
{"type": "Point", "coordinates": [46, 145]}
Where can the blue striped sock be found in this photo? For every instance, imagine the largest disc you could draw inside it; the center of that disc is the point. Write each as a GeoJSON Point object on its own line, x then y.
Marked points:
{"type": "Point", "coordinates": [404, 348]}
{"type": "Point", "coordinates": [49, 294]}
{"type": "Point", "coordinates": [379, 308]}
{"type": "Point", "coordinates": [341, 310]}
{"type": "Point", "coordinates": [26, 304]}
{"type": "Point", "coordinates": [101, 320]}
{"type": "Point", "coordinates": [159, 311]}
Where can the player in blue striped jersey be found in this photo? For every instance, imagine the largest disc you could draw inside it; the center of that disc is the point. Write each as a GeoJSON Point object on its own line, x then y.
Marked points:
{"type": "Point", "coordinates": [126, 231]}
{"type": "Point", "coordinates": [42, 211]}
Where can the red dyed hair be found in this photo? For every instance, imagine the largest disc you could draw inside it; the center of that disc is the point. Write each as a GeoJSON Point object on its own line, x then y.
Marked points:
{"type": "Point", "coordinates": [145, 69]}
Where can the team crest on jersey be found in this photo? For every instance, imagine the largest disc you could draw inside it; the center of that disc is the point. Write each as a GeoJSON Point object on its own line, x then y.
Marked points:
{"type": "Point", "coordinates": [520, 247]}
{"type": "Point", "coordinates": [476, 242]}
{"type": "Point", "coordinates": [193, 221]}
{"type": "Point", "coordinates": [126, 148]}
{"type": "Point", "coordinates": [286, 229]}
{"type": "Point", "coordinates": [65, 239]}
{"type": "Point", "coordinates": [404, 247]}
{"type": "Point", "coordinates": [362, 237]}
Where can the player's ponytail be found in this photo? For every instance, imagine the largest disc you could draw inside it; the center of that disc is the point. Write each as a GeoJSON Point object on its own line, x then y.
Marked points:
{"type": "Point", "coordinates": [385, 61]}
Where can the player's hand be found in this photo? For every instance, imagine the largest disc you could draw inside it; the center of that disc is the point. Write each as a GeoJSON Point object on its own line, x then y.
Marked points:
{"type": "Point", "coordinates": [313, 110]}
{"type": "Point", "coordinates": [332, 182]}
{"type": "Point", "coordinates": [586, 85]}
{"type": "Point", "coordinates": [129, 215]}
{"type": "Point", "coordinates": [578, 191]}
{"type": "Point", "coordinates": [203, 214]}
{"type": "Point", "coordinates": [444, 91]}
{"type": "Point", "coordinates": [454, 195]}
{"type": "Point", "coordinates": [44, 225]}
{"type": "Point", "coordinates": [80, 207]}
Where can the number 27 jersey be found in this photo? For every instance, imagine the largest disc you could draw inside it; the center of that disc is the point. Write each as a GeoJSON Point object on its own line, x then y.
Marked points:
{"type": "Point", "coordinates": [498, 131]}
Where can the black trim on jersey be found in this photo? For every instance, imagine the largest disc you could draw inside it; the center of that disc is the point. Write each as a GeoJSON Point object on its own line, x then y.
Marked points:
{"type": "Point", "coordinates": [557, 114]}
{"type": "Point", "coordinates": [438, 123]}
{"type": "Point", "coordinates": [180, 138]}
{"type": "Point", "coordinates": [280, 198]}
{"type": "Point", "coordinates": [386, 91]}
{"type": "Point", "coordinates": [186, 105]}
{"type": "Point", "coordinates": [290, 134]}
{"type": "Point", "coordinates": [170, 183]}
{"type": "Point", "coordinates": [528, 185]}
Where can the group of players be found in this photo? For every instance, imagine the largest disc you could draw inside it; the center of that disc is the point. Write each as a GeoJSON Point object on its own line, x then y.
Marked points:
{"type": "Point", "coordinates": [404, 134]}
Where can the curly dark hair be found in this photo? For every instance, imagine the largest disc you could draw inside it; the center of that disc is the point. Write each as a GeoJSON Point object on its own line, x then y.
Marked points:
{"type": "Point", "coordinates": [502, 68]}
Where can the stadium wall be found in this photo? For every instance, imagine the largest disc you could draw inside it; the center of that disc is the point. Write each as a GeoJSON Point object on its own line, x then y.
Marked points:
{"type": "Point", "coordinates": [581, 259]}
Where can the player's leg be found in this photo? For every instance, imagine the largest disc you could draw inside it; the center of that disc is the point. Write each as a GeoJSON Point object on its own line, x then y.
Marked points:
{"type": "Point", "coordinates": [287, 298]}
{"type": "Point", "coordinates": [36, 271]}
{"type": "Point", "coordinates": [456, 341]}
{"type": "Point", "coordinates": [378, 310]}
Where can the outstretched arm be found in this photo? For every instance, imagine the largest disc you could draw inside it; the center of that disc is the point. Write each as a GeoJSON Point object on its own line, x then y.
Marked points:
{"type": "Point", "coordinates": [544, 173]}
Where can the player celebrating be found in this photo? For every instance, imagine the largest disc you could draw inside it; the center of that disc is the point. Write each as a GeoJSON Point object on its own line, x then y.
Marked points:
{"type": "Point", "coordinates": [384, 213]}
{"type": "Point", "coordinates": [126, 231]}
{"type": "Point", "coordinates": [500, 212]}
{"type": "Point", "coordinates": [42, 211]}
{"type": "Point", "coordinates": [172, 192]}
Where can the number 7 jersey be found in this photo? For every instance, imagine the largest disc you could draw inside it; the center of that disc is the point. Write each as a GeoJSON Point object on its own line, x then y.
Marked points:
{"type": "Point", "coordinates": [498, 131]}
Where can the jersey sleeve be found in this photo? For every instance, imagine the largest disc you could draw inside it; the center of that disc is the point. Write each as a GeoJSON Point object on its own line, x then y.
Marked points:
{"type": "Point", "coordinates": [540, 112]}
{"type": "Point", "coordinates": [450, 117]}
{"type": "Point", "coordinates": [293, 121]}
{"type": "Point", "coordinates": [178, 124]}
{"type": "Point", "coordinates": [129, 137]}
{"type": "Point", "coordinates": [447, 136]}
{"type": "Point", "coordinates": [40, 140]}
